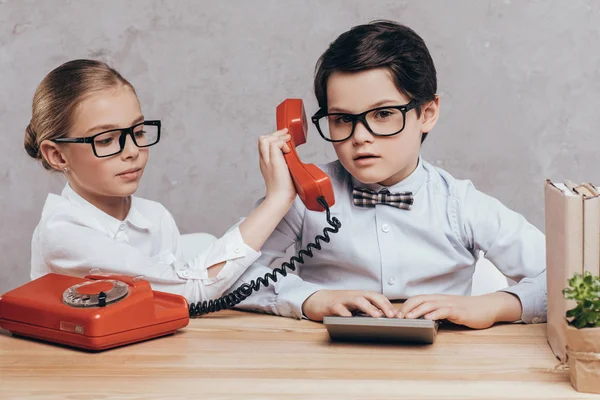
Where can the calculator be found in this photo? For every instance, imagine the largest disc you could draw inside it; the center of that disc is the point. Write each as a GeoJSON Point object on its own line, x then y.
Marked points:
{"type": "Point", "coordinates": [391, 330]}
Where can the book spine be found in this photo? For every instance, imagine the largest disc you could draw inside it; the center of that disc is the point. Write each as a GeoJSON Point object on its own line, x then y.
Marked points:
{"type": "Point", "coordinates": [591, 235]}
{"type": "Point", "coordinates": [564, 257]}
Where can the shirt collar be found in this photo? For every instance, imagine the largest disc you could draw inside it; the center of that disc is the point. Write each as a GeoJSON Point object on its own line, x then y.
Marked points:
{"type": "Point", "coordinates": [134, 217]}
{"type": "Point", "coordinates": [411, 183]}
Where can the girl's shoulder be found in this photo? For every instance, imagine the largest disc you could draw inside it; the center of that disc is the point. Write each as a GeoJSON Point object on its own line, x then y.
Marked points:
{"type": "Point", "coordinates": [148, 207]}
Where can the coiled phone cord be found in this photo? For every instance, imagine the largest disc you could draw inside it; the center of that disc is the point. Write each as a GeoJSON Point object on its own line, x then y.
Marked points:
{"type": "Point", "coordinates": [244, 291]}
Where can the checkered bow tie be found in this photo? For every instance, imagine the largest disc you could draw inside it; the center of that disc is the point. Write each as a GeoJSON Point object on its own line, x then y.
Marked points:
{"type": "Point", "coordinates": [363, 197]}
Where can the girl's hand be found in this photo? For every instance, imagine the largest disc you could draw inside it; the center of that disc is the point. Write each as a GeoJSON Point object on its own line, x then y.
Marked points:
{"type": "Point", "coordinates": [280, 187]}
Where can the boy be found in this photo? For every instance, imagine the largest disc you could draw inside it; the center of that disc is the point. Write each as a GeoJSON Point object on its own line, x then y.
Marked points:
{"type": "Point", "coordinates": [376, 86]}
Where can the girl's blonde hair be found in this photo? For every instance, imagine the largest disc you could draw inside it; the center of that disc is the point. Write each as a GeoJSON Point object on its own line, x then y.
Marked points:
{"type": "Point", "coordinates": [57, 97]}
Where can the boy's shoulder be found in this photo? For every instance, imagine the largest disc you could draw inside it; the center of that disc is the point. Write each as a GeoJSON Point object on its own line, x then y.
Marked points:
{"type": "Point", "coordinates": [335, 170]}
{"type": "Point", "coordinates": [462, 195]}
{"type": "Point", "coordinates": [444, 183]}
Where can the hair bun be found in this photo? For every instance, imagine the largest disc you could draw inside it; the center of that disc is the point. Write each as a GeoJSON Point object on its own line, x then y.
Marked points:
{"type": "Point", "coordinates": [31, 146]}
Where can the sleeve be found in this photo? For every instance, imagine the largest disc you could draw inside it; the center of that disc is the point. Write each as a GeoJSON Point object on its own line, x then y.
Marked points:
{"type": "Point", "coordinates": [511, 243]}
{"type": "Point", "coordinates": [70, 246]}
{"type": "Point", "coordinates": [286, 296]}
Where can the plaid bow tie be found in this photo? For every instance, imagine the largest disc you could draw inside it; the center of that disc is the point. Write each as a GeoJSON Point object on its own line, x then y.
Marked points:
{"type": "Point", "coordinates": [368, 198]}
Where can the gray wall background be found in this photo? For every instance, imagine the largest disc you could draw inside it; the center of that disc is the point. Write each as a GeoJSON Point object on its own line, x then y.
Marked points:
{"type": "Point", "coordinates": [518, 80]}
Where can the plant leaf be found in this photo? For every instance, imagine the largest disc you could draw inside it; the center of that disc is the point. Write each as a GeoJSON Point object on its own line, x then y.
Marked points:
{"type": "Point", "coordinates": [579, 323]}
{"type": "Point", "coordinates": [585, 290]}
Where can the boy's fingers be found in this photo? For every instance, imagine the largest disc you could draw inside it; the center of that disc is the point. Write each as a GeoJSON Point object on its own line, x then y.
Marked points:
{"type": "Point", "coordinates": [410, 304]}
{"type": "Point", "coordinates": [422, 309]}
{"type": "Point", "coordinates": [383, 304]}
{"type": "Point", "coordinates": [416, 301]}
{"type": "Point", "coordinates": [341, 310]}
{"type": "Point", "coordinates": [367, 307]}
{"type": "Point", "coordinates": [440, 313]}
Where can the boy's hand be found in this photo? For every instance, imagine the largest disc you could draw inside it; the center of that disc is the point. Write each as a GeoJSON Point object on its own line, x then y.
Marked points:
{"type": "Point", "coordinates": [274, 169]}
{"type": "Point", "coordinates": [478, 312]}
{"type": "Point", "coordinates": [343, 302]}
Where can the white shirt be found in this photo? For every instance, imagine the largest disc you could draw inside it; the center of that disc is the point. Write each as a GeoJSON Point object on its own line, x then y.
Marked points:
{"type": "Point", "coordinates": [430, 249]}
{"type": "Point", "coordinates": [74, 237]}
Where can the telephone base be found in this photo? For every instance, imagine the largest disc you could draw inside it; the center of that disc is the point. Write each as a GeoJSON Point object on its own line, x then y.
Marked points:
{"type": "Point", "coordinates": [93, 313]}
{"type": "Point", "coordinates": [90, 343]}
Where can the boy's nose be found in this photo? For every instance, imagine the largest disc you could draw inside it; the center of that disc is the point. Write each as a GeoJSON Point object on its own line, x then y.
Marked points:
{"type": "Point", "coordinates": [361, 133]}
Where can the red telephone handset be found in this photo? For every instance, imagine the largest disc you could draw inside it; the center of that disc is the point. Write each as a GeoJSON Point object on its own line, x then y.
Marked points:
{"type": "Point", "coordinates": [310, 181]}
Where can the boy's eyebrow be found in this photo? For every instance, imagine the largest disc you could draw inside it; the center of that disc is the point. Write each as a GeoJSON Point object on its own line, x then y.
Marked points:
{"type": "Point", "coordinates": [107, 127]}
{"type": "Point", "coordinates": [379, 103]}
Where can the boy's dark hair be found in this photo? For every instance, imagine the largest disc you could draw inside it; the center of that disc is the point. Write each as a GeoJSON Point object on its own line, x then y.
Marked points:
{"type": "Point", "coordinates": [380, 44]}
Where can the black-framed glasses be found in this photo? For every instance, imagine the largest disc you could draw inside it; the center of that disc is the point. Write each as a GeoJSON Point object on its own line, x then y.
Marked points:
{"type": "Point", "coordinates": [380, 121]}
{"type": "Point", "coordinates": [109, 143]}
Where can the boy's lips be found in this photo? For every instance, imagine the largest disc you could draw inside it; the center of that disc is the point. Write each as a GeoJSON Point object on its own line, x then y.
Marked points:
{"type": "Point", "coordinates": [362, 156]}
{"type": "Point", "coordinates": [365, 159]}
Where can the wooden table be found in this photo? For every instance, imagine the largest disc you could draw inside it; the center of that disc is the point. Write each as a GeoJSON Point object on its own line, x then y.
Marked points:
{"type": "Point", "coordinates": [235, 354]}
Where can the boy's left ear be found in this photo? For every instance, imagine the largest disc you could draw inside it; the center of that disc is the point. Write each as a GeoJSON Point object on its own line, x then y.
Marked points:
{"type": "Point", "coordinates": [429, 114]}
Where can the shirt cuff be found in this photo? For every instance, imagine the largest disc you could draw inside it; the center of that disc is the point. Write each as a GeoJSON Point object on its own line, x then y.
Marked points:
{"type": "Point", "coordinates": [533, 301]}
{"type": "Point", "coordinates": [291, 294]}
{"type": "Point", "coordinates": [231, 249]}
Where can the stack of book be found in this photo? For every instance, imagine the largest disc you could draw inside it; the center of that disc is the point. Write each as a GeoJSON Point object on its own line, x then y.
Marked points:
{"type": "Point", "coordinates": [572, 217]}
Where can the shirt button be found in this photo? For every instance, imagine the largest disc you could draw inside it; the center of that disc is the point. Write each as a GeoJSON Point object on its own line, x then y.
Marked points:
{"type": "Point", "coordinates": [385, 228]}
{"type": "Point", "coordinates": [236, 250]}
{"type": "Point", "coordinates": [392, 280]}
{"type": "Point", "coordinates": [186, 273]}
{"type": "Point", "coordinates": [121, 227]}
{"type": "Point", "coordinates": [535, 320]}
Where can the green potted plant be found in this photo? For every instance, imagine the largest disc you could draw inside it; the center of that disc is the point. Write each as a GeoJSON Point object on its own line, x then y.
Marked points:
{"type": "Point", "coordinates": [583, 332]}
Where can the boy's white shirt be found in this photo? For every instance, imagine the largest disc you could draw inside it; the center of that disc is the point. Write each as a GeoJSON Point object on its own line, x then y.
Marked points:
{"type": "Point", "coordinates": [430, 249]}
{"type": "Point", "coordinates": [74, 237]}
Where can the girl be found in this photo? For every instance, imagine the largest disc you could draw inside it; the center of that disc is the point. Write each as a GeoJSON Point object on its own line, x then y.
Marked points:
{"type": "Point", "coordinates": [87, 123]}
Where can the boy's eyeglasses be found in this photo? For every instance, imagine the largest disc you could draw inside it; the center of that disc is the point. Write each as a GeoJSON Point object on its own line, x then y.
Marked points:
{"type": "Point", "coordinates": [109, 143]}
{"type": "Point", "coordinates": [380, 121]}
